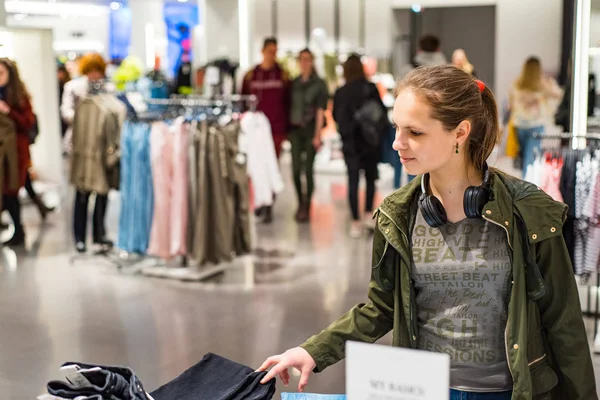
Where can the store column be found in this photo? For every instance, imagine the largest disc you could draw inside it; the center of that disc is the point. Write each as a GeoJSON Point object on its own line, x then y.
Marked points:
{"type": "Point", "coordinates": [148, 32]}
{"type": "Point", "coordinates": [225, 31]}
{"type": "Point", "coordinates": [2, 14]}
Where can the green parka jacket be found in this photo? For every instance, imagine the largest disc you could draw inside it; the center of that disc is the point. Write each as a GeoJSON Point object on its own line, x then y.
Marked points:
{"type": "Point", "coordinates": [546, 343]}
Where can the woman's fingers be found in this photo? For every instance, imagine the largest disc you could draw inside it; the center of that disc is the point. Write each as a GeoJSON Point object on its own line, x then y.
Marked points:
{"type": "Point", "coordinates": [276, 370]}
{"type": "Point", "coordinates": [304, 379]}
{"type": "Point", "coordinates": [269, 363]}
{"type": "Point", "coordinates": [285, 377]}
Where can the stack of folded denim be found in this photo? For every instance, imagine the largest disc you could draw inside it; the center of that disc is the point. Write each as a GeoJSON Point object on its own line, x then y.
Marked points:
{"type": "Point", "coordinates": [213, 378]}
{"type": "Point", "coordinates": [96, 382]}
{"type": "Point", "coordinates": [310, 396]}
{"type": "Point", "coordinates": [216, 378]}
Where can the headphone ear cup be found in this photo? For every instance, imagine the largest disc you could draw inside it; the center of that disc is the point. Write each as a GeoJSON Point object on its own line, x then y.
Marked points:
{"type": "Point", "coordinates": [433, 211]}
{"type": "Point", "coordinates": [476, 197]}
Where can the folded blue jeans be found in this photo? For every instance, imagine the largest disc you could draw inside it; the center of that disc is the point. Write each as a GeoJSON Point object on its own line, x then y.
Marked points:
{"type": "Point", "coordinates": [217, 378]}
{"type": "Point", "coordinates": [459, 395]}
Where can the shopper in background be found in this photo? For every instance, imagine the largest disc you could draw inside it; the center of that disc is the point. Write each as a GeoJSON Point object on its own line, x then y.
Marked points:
{"type": "Point", "coordinates": [524, 337]}
{"type": "Point", "coordinates": [92, 67]}
{"type": "Point", "coordinates": [534, 100]}
{"type": "Point", "coordinates": [309, 102]}
{"type": "Point", "coordinates": [15, 103]}
{"type": "Point", "coordinates": [429, 52]}
{"type": "Point", "coordinates": [271, 84]}
{"type": "Point", "coordinates": [460, 61]}
{"type": "Point", "coordinates": [359, 153]}
{"type": "Point", "coordinates": [63, 77]}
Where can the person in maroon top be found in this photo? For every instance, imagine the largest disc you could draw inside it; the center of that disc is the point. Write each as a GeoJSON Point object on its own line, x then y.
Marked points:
{"type": "Point", "coordinates": [271, 85]}
{"type": "Point", "coordinates": [15, 103]}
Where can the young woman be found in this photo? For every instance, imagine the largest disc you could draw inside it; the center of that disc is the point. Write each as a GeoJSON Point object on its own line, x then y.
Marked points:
{"type": "Point", "coordinates": [358, 154]}
{"type": "Point", "coordinates": [465, 237]}
{"type": "Point", "coordinates": [15, 103]}
{"type": "Point", "coordinates": [533, 101]}
{"type": "Point", "coordinates": [309, 102]}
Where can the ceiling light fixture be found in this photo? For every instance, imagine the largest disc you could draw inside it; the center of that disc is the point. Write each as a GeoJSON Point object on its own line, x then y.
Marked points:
{"type": "Point", "coordinates": [115, 6]}
{"type": "Point", "coordinates": [182, 1]}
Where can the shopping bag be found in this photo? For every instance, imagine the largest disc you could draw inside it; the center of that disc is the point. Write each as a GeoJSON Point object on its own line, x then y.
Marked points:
{"type": "Point", "coordinates": [512, 141]}
{"type": "Point", "coordinates": [309, 396]}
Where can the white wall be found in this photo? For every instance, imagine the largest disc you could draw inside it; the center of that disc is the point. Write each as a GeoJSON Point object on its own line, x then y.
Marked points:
{"type": "Point", "coordinates": [220, 25]}
{"type": "Point", "coordinates": [95, 30]}
{"type": "Point", "coordinates": [595, 28]}
{"type": "Point", "coordinates": [349, 32]}
{"type": "Point", "coordinates": [525, 28]}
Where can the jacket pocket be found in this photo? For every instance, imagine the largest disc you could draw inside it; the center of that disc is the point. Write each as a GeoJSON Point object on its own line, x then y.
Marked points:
{"type": "Point", "coordinates": [383, 269]}
{"type": "Point", "coordinates": [543, 380]}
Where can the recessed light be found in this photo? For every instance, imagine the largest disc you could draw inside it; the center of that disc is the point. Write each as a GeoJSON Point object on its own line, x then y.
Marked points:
{"type": "Point", "coordinates": [115, 6]}
{"type": "Point", "coordinates": [182, 1]}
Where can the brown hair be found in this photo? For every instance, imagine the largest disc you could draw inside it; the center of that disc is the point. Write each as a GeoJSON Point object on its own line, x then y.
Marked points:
{"type": "Point", "coordinates": [429, 43]}
{"type": "Point", "coordinates": [268, 41]}
{"type": "Point", "coordinates": [92, 62]}
{"type": "Point", "coordinates": [531, 75]}
{"type": "Point", "coordinates": [454, 96]}
{"type": "Point", "coordinates": [353, 69]}
{"type": "Point", "coordinates": [16, 92]}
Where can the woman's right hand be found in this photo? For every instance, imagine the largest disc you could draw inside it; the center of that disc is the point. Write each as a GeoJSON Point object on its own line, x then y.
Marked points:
{"type": "Point", "coordinates": [294, 358]}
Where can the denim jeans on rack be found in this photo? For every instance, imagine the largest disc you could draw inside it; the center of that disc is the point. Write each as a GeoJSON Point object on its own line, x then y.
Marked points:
{"type": "Point", "coordinates": [216, 378]}
{"type": "Point", "coordinates": [459, 395]}
{"type": "Point", "coordinates": [108, 381]}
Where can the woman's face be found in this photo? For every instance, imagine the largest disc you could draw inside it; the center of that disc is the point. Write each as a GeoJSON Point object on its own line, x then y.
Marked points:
{"type": "Point", "coordinates": [423, 144]}
{"type": "Point", "coordinates": [305, 61]}
{"type": "Point", "coordinates": [459, 58]}
{"type": "Point", "coordinates": [95, 75]}
{"type": "Point", "coordinates": [4, 75]}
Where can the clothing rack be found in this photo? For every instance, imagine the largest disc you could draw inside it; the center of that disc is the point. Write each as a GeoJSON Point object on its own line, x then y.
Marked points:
{"type": "Point", "coordinates": [590, 136]}
{"type": "Point", "coordinates": [180, 269]}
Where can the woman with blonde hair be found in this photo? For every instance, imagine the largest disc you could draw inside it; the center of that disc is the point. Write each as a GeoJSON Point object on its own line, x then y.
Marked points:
{"type": "Point", "coordinates": [460, 61]}
{"type": "Point", "coordinates": [533, 101]}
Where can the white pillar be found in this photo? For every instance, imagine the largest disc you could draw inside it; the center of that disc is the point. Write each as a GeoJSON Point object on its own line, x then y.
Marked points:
{"type": "Point", "coordinates": [220, 29]}
{"type": "Point", "coordinates": [2, 15]}
{"type": "Point", "coordinates": [148, 32]}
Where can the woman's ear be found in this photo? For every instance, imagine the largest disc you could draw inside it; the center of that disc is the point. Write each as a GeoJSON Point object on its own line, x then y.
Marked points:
{"type": "Point", "coordinates": [462, 132]}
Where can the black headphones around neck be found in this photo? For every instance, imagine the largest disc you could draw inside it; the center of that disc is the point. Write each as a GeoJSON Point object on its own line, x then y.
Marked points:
{"type": "Point", "coordinates": [475, 198]}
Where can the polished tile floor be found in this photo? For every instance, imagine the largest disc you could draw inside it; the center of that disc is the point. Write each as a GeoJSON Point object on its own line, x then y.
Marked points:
{"type": "Point", "coordinates": [55, 309]}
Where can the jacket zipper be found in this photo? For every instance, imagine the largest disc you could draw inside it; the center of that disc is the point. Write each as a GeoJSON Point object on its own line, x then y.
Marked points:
{"type": "Point", "coordinates": [506, 328]}
{"type": "Point", "coordinates": [413, 341]}
{"type": "Point", "coordinates": [537, 361]}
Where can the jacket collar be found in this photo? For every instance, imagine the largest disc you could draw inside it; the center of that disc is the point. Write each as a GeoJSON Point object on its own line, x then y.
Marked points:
{"type": "Point", "coordinates": [542, 216]}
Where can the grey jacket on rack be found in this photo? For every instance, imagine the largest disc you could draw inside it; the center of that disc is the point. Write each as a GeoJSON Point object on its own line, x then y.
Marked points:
{"type": "Point", "coordinates": [96, 139]}
{"type": "Point", "coordinates": [8, 155]}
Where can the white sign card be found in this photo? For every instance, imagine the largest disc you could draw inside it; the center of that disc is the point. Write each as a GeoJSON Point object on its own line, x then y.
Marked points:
{"type": "Point", "coordinates": [376, 372]}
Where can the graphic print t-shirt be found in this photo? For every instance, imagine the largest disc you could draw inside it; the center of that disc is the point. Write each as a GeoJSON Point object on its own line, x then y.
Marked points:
{"type": "Point", "coordinates": [462, 274]}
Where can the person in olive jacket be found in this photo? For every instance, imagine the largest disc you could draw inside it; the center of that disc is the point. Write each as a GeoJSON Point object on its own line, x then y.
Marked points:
{"type": "Point", "coordinates": [467, 261]}
{"type": "Point", "coordinates": [309, 102]}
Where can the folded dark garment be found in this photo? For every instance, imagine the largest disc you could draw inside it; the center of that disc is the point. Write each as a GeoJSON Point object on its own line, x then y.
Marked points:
{"type": "Point", "coordinates": [108, 382]}
{"type": "Point", "coordinates": [217, 378]}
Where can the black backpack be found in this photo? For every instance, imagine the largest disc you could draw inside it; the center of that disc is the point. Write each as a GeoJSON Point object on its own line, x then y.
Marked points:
{"type": "Point", "coordinates": [372, 118]}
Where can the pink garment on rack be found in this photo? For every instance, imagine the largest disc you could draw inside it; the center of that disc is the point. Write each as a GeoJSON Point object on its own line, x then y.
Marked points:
{"type": "Point", "coordinates": [168, 147]}
{"type": "Point", "coordinates": [179, 189]}
{"type": "Point", "coordinates": [550, 182]}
